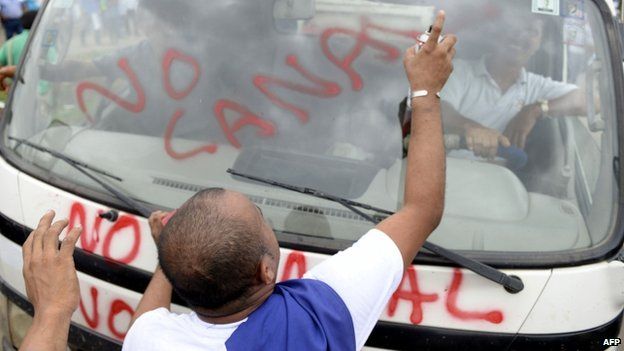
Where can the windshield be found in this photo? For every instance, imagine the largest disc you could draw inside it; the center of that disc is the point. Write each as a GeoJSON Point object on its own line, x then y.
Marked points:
{"type": "Point", "coordinates": [168, 95]}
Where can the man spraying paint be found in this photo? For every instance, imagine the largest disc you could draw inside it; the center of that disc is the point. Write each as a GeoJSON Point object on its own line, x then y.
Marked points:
{"type": "Point", "coordinates": [219, 255]}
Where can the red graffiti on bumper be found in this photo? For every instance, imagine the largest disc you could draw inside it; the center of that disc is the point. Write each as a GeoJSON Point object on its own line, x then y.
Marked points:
{"type": "Point", "coordinates": [495, 316]}
{"type": "Point", "coordinates": [414, 295]}
{"type": "Point", "coordinates": [90, 238]}
{"type": "Point", "coordinates": [297, 260]}
{"type": "Point", "coordinates": [116, 307]}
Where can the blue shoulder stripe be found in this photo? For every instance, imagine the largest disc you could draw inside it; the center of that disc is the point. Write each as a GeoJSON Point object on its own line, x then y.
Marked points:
{"type": "Point", "coordinates": [301, 315]}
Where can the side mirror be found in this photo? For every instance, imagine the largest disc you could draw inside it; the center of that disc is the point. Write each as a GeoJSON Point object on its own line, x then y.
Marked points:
{"type": "Point", "coordinates": [294, 9]}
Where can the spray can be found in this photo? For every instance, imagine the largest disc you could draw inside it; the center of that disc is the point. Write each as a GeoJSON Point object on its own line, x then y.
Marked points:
{"type": "Point", "coordinates": [420, 42]}
{"type": "Point", "coordinates": [422, 39]}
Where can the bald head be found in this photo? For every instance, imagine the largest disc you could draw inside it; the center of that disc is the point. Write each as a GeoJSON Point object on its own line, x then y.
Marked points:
{"type": "Point", "coordinates": [211, 249]}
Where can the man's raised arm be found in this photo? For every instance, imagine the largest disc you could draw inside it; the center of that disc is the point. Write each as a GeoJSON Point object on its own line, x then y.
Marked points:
{"type": "Point", "coordinates": [423, 204]}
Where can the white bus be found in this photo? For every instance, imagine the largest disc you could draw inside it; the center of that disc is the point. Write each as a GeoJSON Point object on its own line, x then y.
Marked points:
{"type": "Point", "coordinates": [123, 107]}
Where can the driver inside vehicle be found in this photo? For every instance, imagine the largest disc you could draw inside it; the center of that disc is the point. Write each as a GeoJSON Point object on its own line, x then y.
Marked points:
{"type": "Point", "coordinates": [494, 101]}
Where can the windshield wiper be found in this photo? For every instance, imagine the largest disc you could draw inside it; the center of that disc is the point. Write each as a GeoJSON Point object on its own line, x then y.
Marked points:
{"type": "Point", "coordinates": [63, 157]}
{"type": "Point", "coordinates": [83, 167]}
{"type": "Point", "coordinates": [512, 284]}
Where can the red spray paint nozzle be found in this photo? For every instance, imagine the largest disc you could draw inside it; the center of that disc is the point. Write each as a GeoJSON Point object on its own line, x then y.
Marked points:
{"type": "Point", "coordinates": [166, 218]}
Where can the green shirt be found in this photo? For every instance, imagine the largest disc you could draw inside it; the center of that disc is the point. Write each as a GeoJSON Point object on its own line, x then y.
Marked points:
{"type": "Point", "coordinates": [11, 51]}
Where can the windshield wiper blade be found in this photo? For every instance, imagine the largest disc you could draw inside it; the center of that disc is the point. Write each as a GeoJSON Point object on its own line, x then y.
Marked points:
{"type": "Point", "coordinates": [83, 167]}
{"type": "Point", "coordinates": [310, 191]}
{"type": "Point", "coordinates": [512, 284]}
{"type": "Point", "coordinates": [64, 157]}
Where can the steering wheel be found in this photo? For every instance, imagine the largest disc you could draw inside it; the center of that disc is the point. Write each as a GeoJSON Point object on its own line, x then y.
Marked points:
{"type": "Point", "coordinates": [515, 157]}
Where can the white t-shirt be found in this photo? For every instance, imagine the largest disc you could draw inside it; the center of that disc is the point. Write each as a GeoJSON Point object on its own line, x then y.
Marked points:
{"type": "Point", "coordinates": [364, 276]}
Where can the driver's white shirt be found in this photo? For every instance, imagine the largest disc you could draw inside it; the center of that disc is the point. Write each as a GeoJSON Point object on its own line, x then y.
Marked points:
{"type": "Point", "coordinates": [473, 93]}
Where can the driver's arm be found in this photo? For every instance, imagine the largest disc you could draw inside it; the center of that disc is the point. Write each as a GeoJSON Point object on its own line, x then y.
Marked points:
{"type": "Point", "coordinates": [454, 122]}
{"type": "Point", "coordinates": [571, 104]}
{"type": "Point", "coordinates": [424, 182]}
{"type": "Point", "coordinates": [564, 99]}
{"type": "Point", "coordinates": [481, 140]}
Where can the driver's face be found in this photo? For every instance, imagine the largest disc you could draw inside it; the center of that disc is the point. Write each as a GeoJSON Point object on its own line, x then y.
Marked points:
{"type": "Point", "coordinates": [518, 40]}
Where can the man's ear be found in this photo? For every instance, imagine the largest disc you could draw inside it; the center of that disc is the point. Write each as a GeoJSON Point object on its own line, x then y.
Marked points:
{"type": "Point", "coordinates": [266, 273]}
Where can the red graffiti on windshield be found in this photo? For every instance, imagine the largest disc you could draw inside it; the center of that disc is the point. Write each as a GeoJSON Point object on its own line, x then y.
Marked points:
{"type": "Point", "coordinates": [170, 56]}
{"type": "Point", "coordinates": [323, 89]}
{"type": "Point", "coordinates": [319, 87]}
{"type": "Point", "coordinates": [362, 38]}
{"type": "Point", "coordinates": [181, 155]}
{"type": "Point", "coordinates": [247, 118]}
{"type": "Point", "coordinates": [134, 107]}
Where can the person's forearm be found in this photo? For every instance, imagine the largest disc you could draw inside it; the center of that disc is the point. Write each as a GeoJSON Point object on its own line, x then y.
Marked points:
{"type": "Point", "coordinates": [427, 67]}
{"type": "Point", "coordinates": [454, 122]}
{"type": "Point", "coordinates": [425, 179]}
{"type": "Point", "coordinates": [423, 202]}
{"type": "Point", "coordinates": [48, 332]}
{"type": "Point", "coordinates": [157, 295]}
{"type": "Point", "coordinates": [571, 104]}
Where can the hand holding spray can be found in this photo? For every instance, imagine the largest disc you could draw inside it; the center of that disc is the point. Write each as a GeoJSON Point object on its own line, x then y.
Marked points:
{"type": "Point", "coordinates": [422, 39]}
{"type": "Point", "coordinates": [420, 42]}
